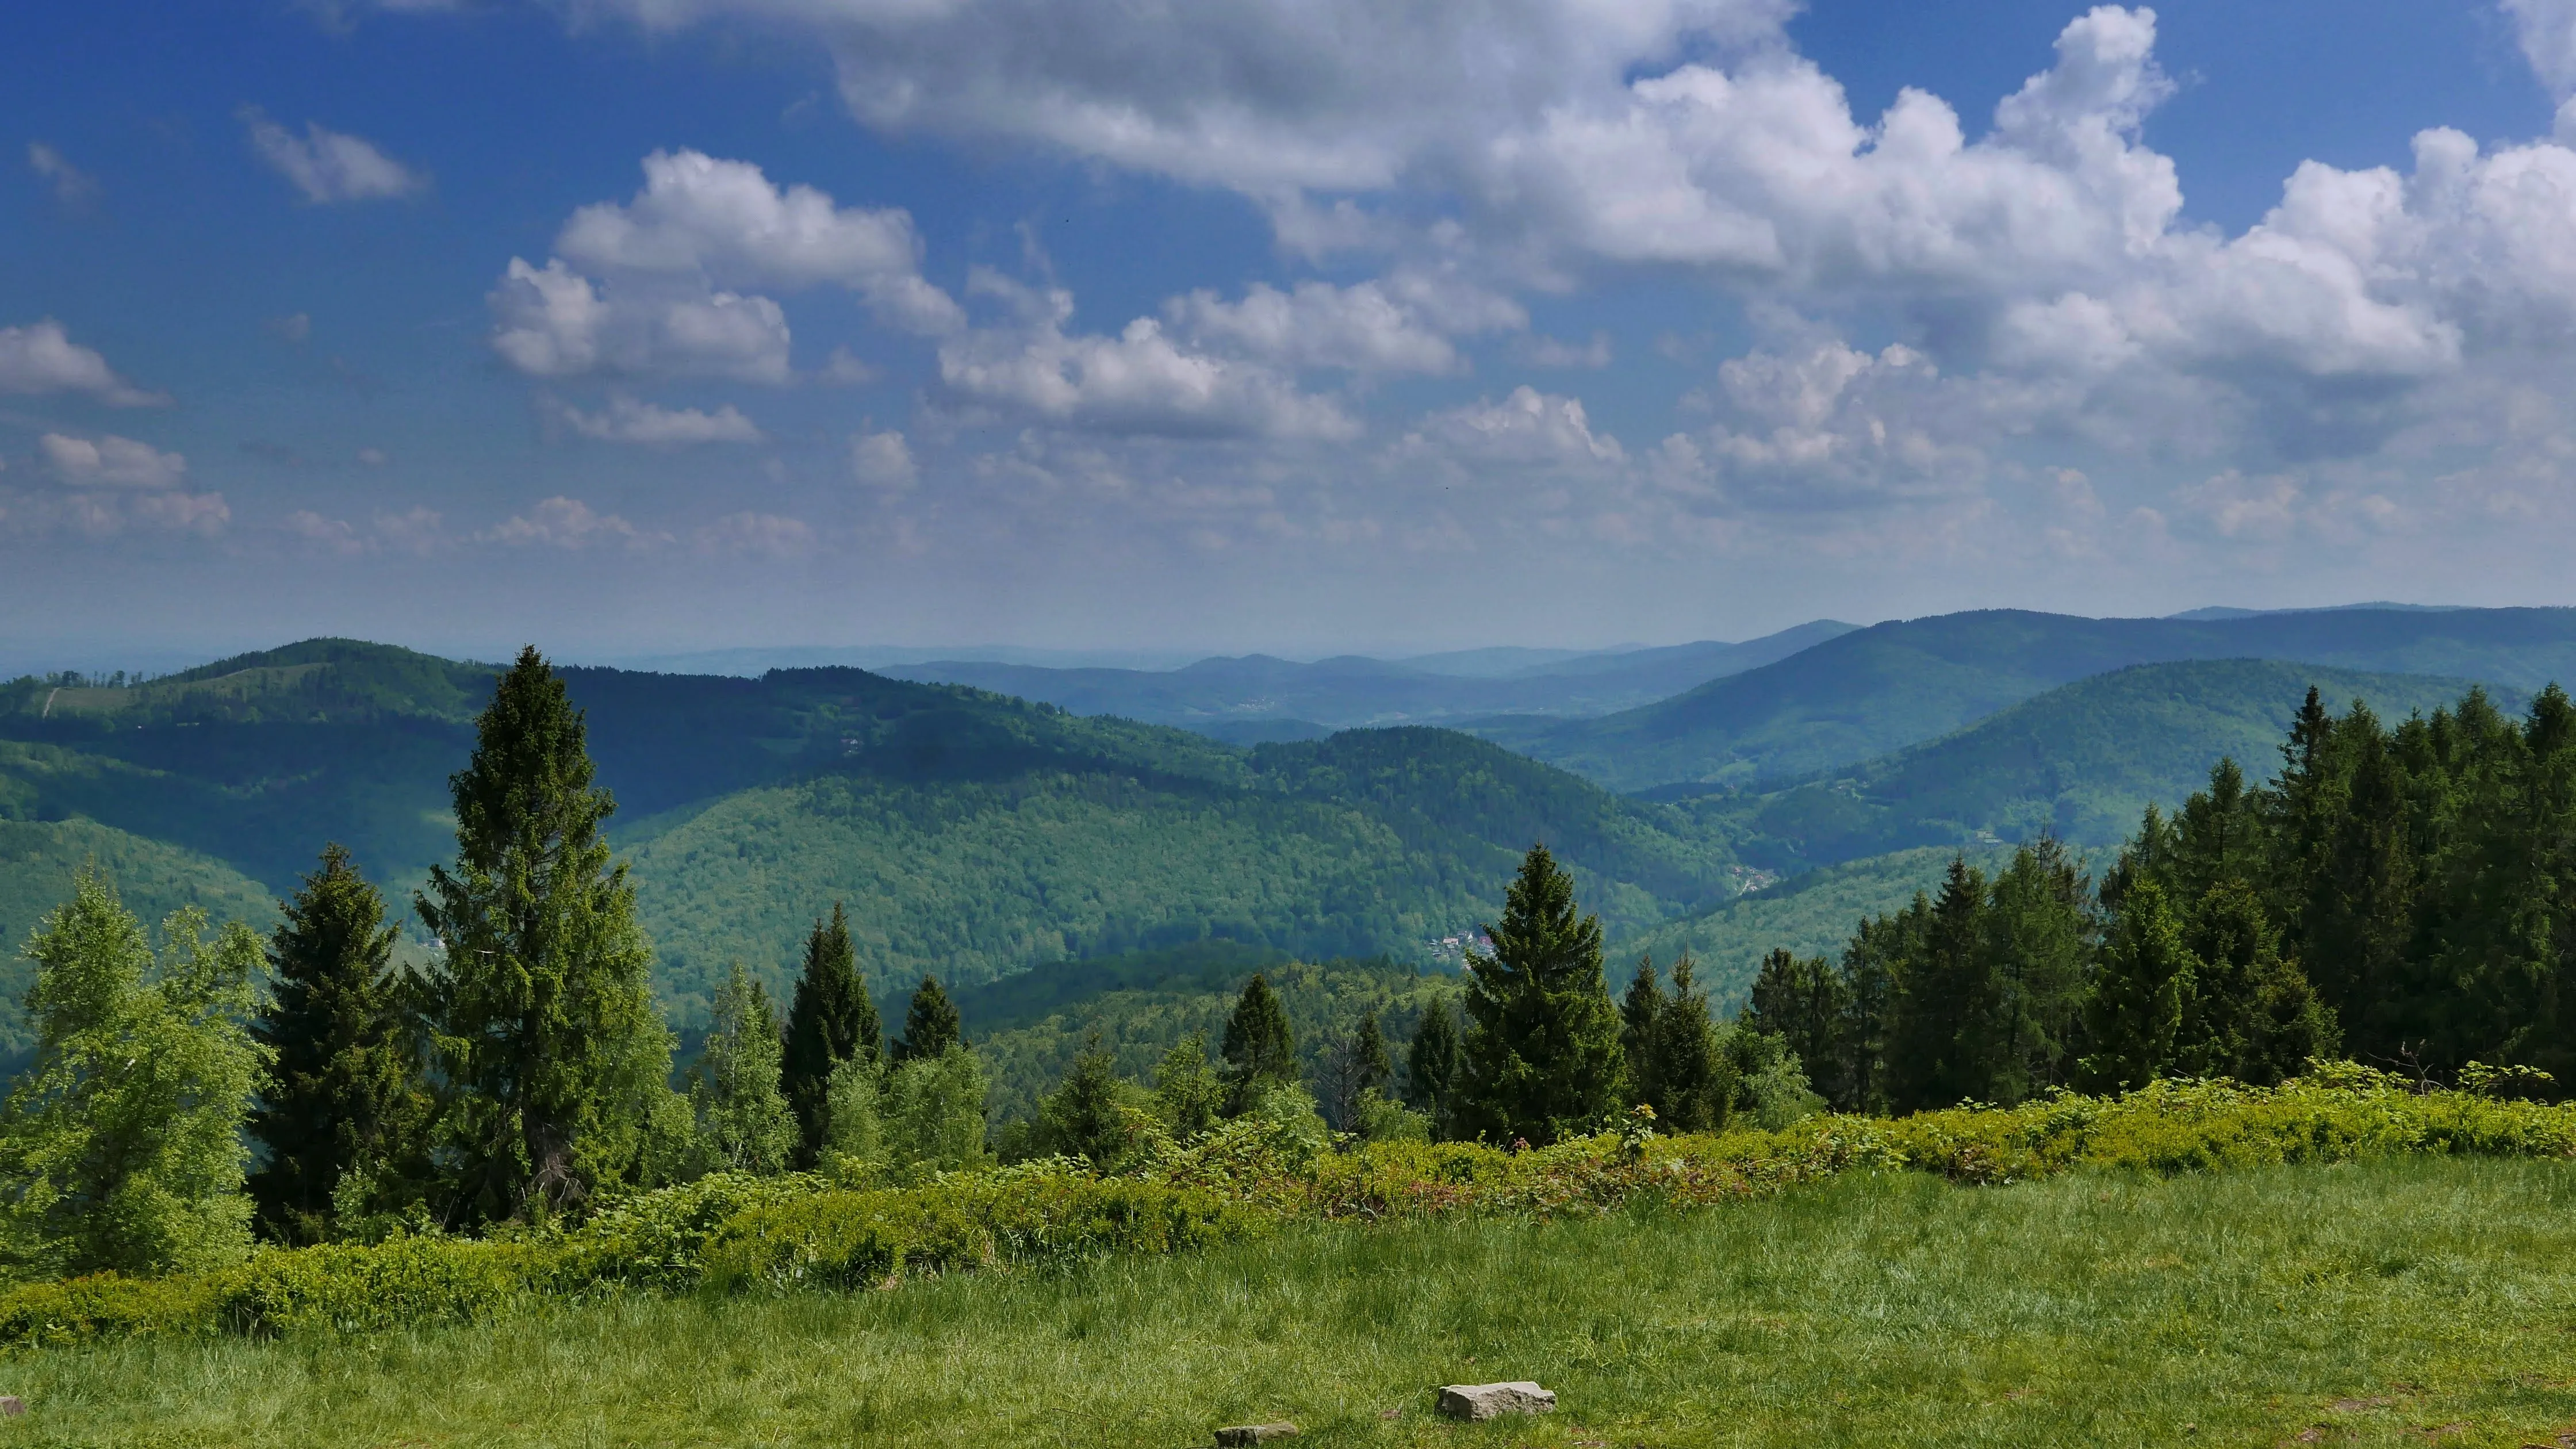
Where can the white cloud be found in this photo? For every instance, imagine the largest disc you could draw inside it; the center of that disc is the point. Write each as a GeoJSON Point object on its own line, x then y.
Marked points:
{"type": "Point", "coordinates": [625, 420]}
{"type": "Point", "coordinates": [112, 461]}
{"type": "Point", "coordinates": [554, 322]}
{"type": "Point", "coordinates": [1552, 352]}
{"type": "Point", "coordinates": [1529, 428]}
{"type": "Point", "coordinates": [74, 189]}
{"type": "Point", "coordinates": [756, 535]}
{"type": "Point", "coordinates": [700, 216]}
{"type": "Point", "coordinates": [1362, 328]}
{"type": "Point", "coordinates": [295, 329]}
{"type": "Point", "coordinates": [326, 535]}
{"type": "Point", "coordinates": [330, 166]}
{"type": "Point", "coordinates": [1141, 381]}
{"type": "Point", "coordinates": [660, 284]}
{"type": "Point", "coordinates": [42, 358]}
{"type": "Point", "coordinates": [569, 524]}
{"type": "Point", "coordinates": [883, 460]}
{"type": "Point", "coordinates": [200, 513]}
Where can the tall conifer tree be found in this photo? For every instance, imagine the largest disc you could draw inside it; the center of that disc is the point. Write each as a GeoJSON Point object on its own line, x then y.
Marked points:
{"type": "Point", "coordinates": [344, 1091]}
{"type": "Point", "coordinates": [1542, 1050]}
{"type": "Point", "coordinates": [545, 1026]}
{"type": "Point", "coordinates": [1431, 1067]}
{"type": "Point", "coordinates": [831, 1020]}
{"type": "Point", "coordinates": [2136, 1010]}
{"type": "Point", "coordinates": [930, 1024]}
{"type": "Point", "coordinates": [1258, 1048]}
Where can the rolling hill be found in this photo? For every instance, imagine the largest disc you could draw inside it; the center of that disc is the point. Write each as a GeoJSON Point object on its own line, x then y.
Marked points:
{"type": "Point", "coordinates": [972, 835]}
{"type": "Point", "coordinates": [1877, 690]}
{"type": "Point", "coordinates": [1217, 695]}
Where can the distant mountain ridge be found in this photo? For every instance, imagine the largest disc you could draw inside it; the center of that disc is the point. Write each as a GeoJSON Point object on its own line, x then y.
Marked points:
{"type": "Point", "coordinates": [1356, 691]}
{"type": "Point", "coordinates": [1875, 690]}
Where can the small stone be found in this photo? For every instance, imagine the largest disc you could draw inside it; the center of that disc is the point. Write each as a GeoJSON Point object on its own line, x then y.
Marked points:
{"type": "Point", "coordinates": [1253, 1434]}
{"type": "Point", "coordinates": [1485, 1401]}
{"type": "Point", "coordinates": [12, 1406]}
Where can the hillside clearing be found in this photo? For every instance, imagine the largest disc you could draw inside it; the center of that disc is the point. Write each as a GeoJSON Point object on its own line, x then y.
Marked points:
{"type": "Point", "coordinates": [2404, 1302]}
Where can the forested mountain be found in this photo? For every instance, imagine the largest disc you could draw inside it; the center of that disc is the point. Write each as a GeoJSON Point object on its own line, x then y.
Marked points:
{"type": "Point", "coordinates": [1351, 691]}
{"type": "Point", "coordinates": [2079, 762]}
{"type": "Point", "coordinates": [969, 834]}
{"type": "Point", "coordinates": [1882, 688]}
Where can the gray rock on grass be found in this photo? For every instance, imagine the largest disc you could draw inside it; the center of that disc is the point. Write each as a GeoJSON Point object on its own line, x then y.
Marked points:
{"type": "Point", "coordinates": [1227, 1438]}
{"type": "Point", "coordinates": [1486, 1401]}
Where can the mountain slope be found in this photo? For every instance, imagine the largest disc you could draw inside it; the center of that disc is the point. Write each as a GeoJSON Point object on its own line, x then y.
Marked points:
{"type": "Point", "coordinates": [1879, 689]}
{"type": "Point", "coordinates": [1355, 692]}
{"type": "Point", "coordinates": [972, 835]}
{"type": "Point", "coordinates": [2080, 762]}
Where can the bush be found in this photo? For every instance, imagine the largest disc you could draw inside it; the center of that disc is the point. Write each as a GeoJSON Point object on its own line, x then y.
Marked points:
{"type": "Point", "coordinates": [733, 1232]}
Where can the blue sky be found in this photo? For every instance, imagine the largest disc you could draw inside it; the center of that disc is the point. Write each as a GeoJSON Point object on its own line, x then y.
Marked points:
{"type": "Point", "coordinates": [634, 326]}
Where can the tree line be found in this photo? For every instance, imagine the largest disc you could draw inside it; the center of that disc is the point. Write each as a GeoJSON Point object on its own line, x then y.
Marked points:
{"type": "Point", "coordinates": [2396, 893]}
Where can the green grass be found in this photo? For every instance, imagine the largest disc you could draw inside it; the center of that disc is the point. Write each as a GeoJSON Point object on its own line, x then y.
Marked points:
{"type": "Point", "coordinates": [2357, 1305]}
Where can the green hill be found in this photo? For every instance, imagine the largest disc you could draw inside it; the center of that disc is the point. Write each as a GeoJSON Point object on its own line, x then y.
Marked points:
{"type": "Point", "coordinates": [1811, 914]}
{"type": "Point", "coordinates": [1879, 689]}
{"type": "Point", "coordinates": [1141, 1006]}
{"type": "Point", "coordinates": [2080, 762]}
{"type": "Point", "coordinates": [971, 835]}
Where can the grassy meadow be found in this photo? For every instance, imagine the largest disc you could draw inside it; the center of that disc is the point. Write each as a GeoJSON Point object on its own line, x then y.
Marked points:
{"type": "Point", "coordinates": [2411, 1300]}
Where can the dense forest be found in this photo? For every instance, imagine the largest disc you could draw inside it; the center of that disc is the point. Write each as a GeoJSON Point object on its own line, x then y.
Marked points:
{"type": "Point", "coordinates": [2401, 895]}
{"type": "Point", "coordinates": [2393, 894]}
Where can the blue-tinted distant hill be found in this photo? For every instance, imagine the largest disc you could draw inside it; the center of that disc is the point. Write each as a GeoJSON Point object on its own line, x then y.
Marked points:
{"type": "Point", "coordinates": [1879, 689]}
{"type": "Point", "coordinates": [970, 834]}
{"type": "Point", "coordinates": [1354, 691]}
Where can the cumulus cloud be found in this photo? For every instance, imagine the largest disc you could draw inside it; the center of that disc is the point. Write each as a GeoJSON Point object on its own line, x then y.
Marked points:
{"type": "Point", "coordinates": [661, 283]}
{"type": "Point", "coordinates": [725, 221]}
{"type": "Point", "coordinates": [42, 358]}
{"type": "Point", "coordinates": [1371, 327]}
{"type": "Point", "coordinates": [324, 535]}
{"type": "Point", "coordinates": [1528, 428]}
{"type": "Point", "coordinates": [1140, 381]}
{"type": "Point", "coordinates": [330, 166]}
{"type": "Point", "coordinates": [883, 460]}
{"type": "Point", "coordinates": [111, 461]}
{"type": "Point", "coordinates": [571, 525]}
{"type": "Point", "coordinates": [626, 420]}
{"type": "Point", "coordinates": [551, 321]}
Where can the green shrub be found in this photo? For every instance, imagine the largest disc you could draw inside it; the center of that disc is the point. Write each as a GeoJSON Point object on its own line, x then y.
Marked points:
{"type": "Point", "coordinates": [733, 1232]}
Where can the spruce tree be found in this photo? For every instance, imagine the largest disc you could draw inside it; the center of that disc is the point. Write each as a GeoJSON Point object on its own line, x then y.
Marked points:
{"type": "Point", "coordinates": [1187, 1092]}
{"type": "Point", "coordinates": [545, 1031]}
{"type": "Point", "coordinates": [832, 1020]}
{"type": "Point", "coordinates": [1691, 1070]}
{"type": "Point", "coordinates": [2250, 1014]}
{"type": "Point", "coordinates": [1542, 1057]}
{"type": "Point", "coordinates": [1639, 1010]}
{"type": "Point", "coordinates": [1088, 1115]}
{"type": "Point", "coordinates": [1807, 1004]}
{"type": "Point", "coordinates": [2135, 1012]}
{"type": "Point", "coordinates": [1431, 1067]}
{"type": "Point", "coordinates": [121, 1148]}
{"type": "Point", "coordinates": [743, 1118]}
{"type": "Point", "coordinates": [344, 1091]}
{"type": "Point", "coordinates": [2038, 937]}
{"type": "Point", "coordinates": [1259, 1049]}
{"type": "Point", "coordinates": [1946, 1044]}
{"type": "Point", "coordinates": [930, 1024]}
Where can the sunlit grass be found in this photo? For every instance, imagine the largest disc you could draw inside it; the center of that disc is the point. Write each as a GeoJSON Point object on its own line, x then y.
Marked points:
{"type": "Point", "coordinates": [2413, 1302]}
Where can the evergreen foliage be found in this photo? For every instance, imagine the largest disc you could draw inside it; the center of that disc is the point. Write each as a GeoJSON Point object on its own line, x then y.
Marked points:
{"type": "Point", "coordinates": [546, 1034]}
{"type": "Point", "coordinates": [930, 1024]}
{"type": "Point", "coordinates": [1431, 1066]}
{"type": "Point", "coordinates": [832, 1020]}
{"type": "Point", "coordinates": [122, 1149]}
{"type": "Point", "coordinates": [2136, 1009]}
{"type": "Point", "coordinates": [1541, 1054]}
{"type": "Point", "coordinates": [1259, 1048]}
{"type": "Point", "coordinates": [743, 1117]}
{"type": "Point", "coordinates": [1805, 1002]}
{"type": "Point", "coordinates": [1676, 1056]}
{"type": "Point", "coordinates": [1356, 1068]}
{"type": "Point", "coordinates": [1188, 1094]}
{"type": "Point", "coordinates": [1095, 1115]}
{"type": "Point", "coordinates": [344, 1108]}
